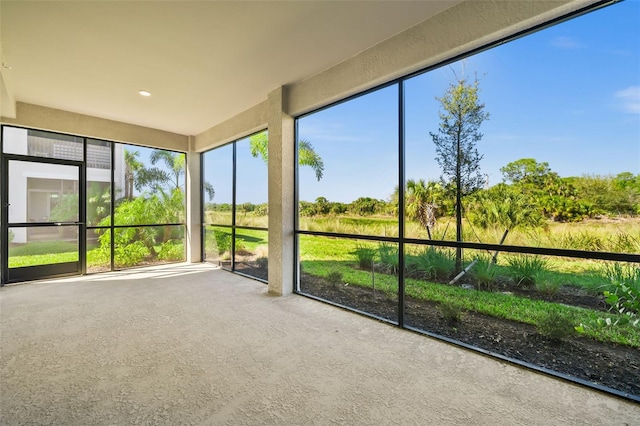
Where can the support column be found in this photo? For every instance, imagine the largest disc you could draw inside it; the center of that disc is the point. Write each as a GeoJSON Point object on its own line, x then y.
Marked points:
{"type": "Point", "coordinates": [281, 196]}
{"type": "Point", "coordinates": [193, 195]}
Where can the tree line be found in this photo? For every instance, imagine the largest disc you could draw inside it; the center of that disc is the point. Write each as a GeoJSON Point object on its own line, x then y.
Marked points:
{"type": "Point", "coordinates": [529, 187]}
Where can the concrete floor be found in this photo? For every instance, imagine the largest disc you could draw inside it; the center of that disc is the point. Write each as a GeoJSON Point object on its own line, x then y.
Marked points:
{"type": "Point", "coordinates": [191, 344]}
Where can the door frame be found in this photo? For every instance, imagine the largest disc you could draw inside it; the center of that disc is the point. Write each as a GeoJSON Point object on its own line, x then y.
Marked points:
{"type": "Point", "coordinates": [27, 273]}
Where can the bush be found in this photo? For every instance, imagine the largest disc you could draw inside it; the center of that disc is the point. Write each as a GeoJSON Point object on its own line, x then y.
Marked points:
{"type": "Point", "coordinates": [451, 313]}
{"type": "Point", "coordinates": [98, 257]}
{"type": "Point", "coordinates": [365, 256]}
{"type": "Point", "coordinates": [335, 278]}
{"type": "Point", "coordinates": [434, 263]}
{"type": "Point", "coordinates": [624, 297]}
{"type": "Point", "coordinates": [223, 241]}
{"type": "Point", "coordinates": [389, 257]}
{"type": "Point", "coordinates": [606, 277]}
{"type": "Point", "coordinates": [556, 325]}
{"type": "Point", "coordinates": [262, 262]}
{"type": "Point", "coordinates": [485, 273]}
{"type": "Point", "coordinates": [170, 250]}
{"type": "Point", "coordinates": [524, 269]}
{"type": "Point", "coordinates": [621, 273]}
{"type": "Point", "coordinates": [261, 210]}
{"type": "Point", "coordinates": [131, 254]}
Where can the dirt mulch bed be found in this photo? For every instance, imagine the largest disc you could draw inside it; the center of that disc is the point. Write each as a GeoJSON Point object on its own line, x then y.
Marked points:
{"type": "Point", "coordinates": [613, 366]}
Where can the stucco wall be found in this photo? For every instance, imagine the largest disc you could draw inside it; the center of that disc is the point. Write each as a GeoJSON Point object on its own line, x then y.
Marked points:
{"type": "Point", "coordinates": [243, 124]}
{"type": "Point", "coordinates": [43, 118]}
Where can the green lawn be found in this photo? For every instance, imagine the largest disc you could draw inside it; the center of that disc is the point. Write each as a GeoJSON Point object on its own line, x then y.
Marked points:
{"type": "Point", "coordinates": [42, 253]}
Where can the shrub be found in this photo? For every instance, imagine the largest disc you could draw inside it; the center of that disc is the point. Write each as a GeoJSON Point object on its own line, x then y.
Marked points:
{"type": "Point", "coordinates": [556, 325]}
{"type": "Point", "coordinates": [223, 241]}
{"type": "Point", "coordinates": [98, 257]}
{"type": "Point", "coordinates": [625, 300]}
{"type": "Point", "coordinates": [240, 246]}
{"type": "Point", "coordinates": [524, 269]}
{"type": "Point", "coordinates": [606, 277]}
{"type": "Point", "coordinates": [451, 313]}
{"type": "Point", "coordinates": [365, 256]}
{"type": "Point", "coordinates": [389, 257]}
{"type": "Point", "coordinates": [485, 273]}
{"type": "Point", "coordinates": [171, 251]}
{"type": "Point", "coordinates": [262, 262]}
{"type": "Point", "coordinates": [261, 210]}
{"type": "Point", "coordinates": [335, 278]}
{"type": "Point", "coordinates": [130, 254]}
{"type": "Point", "coordinates": [622, 273]}
{"type": "Point", "coordinates": [434, 263]}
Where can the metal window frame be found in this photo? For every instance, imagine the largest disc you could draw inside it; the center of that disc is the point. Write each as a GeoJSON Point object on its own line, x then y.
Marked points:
{"type": "Point", "coordinates": [82, 243]}
{"type": "Point", "coordinates": [234, 226]}
{"type": "Point", "coordinates": [402, 240]}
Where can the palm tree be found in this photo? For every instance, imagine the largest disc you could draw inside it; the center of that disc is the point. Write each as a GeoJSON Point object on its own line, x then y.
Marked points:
{"type": "Point", "coordinates": [421, 202]}
{"type": "Point", "coordinates": [132, 170]}
{"type": "Point", "coordinates": [307, 156]}
{"type": "Point", "coordinates": [175, 164]}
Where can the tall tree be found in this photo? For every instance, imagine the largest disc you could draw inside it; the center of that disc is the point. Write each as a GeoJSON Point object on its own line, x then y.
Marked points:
{"type": "Point", "coordinates": [307, 156]}
{"type": "Point", "coordinates": [175, 167]}
{"type": "Point", "coordinates": [132, 170]}
{"type": "Point", "coordinates": [138, 176]}
{"type": "Point", "coordinates": [526, 171]}
{"type": "Point", "coordinates": [461, 115]}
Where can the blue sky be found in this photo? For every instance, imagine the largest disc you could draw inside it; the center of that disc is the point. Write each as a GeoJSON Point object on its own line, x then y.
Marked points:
{"type": "Point", "coordinates": [568, 95]}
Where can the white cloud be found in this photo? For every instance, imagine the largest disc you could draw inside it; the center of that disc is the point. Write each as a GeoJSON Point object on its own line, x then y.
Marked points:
{"type": "Point", "coordinates": [630, 98]}
{"type": "Point", "coordinates": [567, 43]}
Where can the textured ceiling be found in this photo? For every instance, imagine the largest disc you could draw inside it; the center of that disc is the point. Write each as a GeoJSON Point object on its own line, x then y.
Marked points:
{"type": "Point", "coordinates": [203, 62]}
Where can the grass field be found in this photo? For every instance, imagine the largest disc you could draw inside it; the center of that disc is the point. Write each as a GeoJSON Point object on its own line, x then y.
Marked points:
{"type": "Point", "coordinates": [620, 235]}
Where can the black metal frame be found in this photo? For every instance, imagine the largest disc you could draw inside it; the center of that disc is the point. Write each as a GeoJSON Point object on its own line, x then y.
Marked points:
{"type": "Point", "coordinates": [112, 227]}
{"type": "Point", "coordinates": [11, 275]}
{"type": "Point", "coordinates": [234, 226]}
{"type": "Point", "coordinates": [62, 269]}
{"type": "Point", "coordinates": [402, 240]}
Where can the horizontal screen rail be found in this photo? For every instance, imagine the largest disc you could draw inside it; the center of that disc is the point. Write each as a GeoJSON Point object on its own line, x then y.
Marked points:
{"type": "Point", "coordinates": [579, 254]}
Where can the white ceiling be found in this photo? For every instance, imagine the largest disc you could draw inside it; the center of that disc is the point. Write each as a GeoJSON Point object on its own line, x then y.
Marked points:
{"type": "Point", "coordinates": [203, 62]}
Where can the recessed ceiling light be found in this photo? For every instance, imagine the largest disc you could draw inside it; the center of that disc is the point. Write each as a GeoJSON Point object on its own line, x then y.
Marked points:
{"type": "Point", "coordinates": [144, 93]}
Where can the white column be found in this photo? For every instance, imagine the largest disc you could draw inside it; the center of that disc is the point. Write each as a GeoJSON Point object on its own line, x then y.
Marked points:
{"type": "Point", "coordinates": [194, 206]}
{"type": "Point", "coordinates": [281, 197]}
